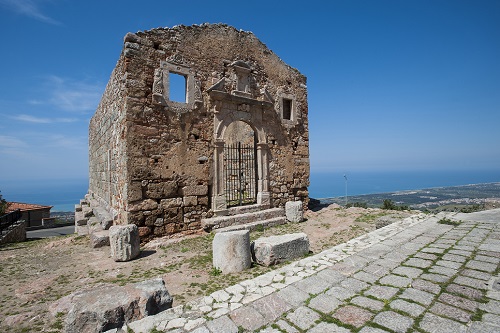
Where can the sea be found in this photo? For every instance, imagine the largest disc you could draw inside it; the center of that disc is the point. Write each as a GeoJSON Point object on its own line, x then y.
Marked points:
{"type": "Point", "coordinates": [64, 194]}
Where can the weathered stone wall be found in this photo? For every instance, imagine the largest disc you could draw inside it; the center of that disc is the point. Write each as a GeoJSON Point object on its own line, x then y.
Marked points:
{"type": "Point", "coordinates": [154, 161]}
{"type": "Point", "coordinates": [107, 147]}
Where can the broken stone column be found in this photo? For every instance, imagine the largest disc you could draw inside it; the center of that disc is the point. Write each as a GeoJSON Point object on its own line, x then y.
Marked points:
{"type": "Point", "coordinates": [273, 250]}
{"type": "Point", "coordinates": [294, 212]}
{"type": "Point", "coordinates": [124, 241]}
{"type": "Point", "coordinates": [231, 251]}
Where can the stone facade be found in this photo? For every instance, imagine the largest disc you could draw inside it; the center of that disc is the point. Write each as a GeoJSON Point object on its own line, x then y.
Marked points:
{"type": "Point", "coordinates": [161, 162]}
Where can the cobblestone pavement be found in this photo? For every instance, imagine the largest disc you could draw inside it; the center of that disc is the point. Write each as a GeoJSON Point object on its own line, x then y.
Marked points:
{"type": "Point", "coordinates": [416, 275]}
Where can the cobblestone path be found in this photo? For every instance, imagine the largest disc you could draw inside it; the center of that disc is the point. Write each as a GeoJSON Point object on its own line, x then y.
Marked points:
{"type": "Point", "coordinates": [416, 275]}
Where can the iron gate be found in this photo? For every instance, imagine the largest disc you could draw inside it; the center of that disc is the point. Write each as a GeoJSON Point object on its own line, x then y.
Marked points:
{"type": "Point", "coordinates": [239, 173]}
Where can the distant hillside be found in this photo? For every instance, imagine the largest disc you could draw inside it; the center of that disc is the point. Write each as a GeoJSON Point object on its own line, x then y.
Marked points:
{"type": "Point", "coordinates": [454, 198]}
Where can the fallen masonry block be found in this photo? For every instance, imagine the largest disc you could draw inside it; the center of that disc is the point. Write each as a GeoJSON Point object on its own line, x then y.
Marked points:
{"type": "Point", "coordinates": [273, 250]}
{"type": "Point", "coordinates": [231, 251]}
{"type": "Point", "coordinates": [93, 225]}
{"type": "Point", "coordinates": [82, 230]}
{"type": "Point", "coordinates": [80, 219]}
{"type": "Point", "coordinates": [99, 239]}
{"type": "Point", "coordinates": [105, 219]}
{"type": "Point", "coordinates": [124, 241]}
{"type": "Point", "coordinates": [87, 211]}
{"type": "Point", "coordinates": [107, 306]}
{"type": "Point", "coordinates": [294, 212]}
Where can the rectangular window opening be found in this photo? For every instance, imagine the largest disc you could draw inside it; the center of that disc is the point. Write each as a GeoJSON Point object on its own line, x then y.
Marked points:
{"type": "Point", "coordinates": [287, 109]}
{"type": "Point", "coordinates": [178, 88]}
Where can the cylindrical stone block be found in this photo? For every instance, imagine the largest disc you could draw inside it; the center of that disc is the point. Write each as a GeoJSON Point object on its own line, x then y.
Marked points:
{"type": "Point", "coordinates": [231, 251]}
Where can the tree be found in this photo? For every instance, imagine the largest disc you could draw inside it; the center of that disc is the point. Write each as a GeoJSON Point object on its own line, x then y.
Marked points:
{"type": "Point", "coordinates": [3, 204]}
{"type": "Point", "coordinates": [388, 204]}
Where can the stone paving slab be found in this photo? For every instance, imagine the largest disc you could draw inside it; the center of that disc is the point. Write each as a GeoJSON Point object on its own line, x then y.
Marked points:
{"type": "Point", "coordinates": [422, 276]}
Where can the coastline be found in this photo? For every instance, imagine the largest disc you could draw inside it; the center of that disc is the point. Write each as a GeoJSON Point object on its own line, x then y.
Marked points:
{"type": "Point", "coordinates": [477, 196]}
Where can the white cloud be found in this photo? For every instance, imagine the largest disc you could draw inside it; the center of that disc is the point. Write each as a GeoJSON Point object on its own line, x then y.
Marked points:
{"type": "Point", "coordinates": [73, 96]}
{"type": "Point", "coordinates": [67, 142]}
{"type": "Point", "coordinates": [29, 8]}
{"type": "Point", "coordinates": [11, 142]}
{"type": "Point", "coordinates": [39, 120]}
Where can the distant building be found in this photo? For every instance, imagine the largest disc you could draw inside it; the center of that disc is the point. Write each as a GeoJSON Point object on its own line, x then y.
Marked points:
{"type": "Point", "coordinates": [33, 214]}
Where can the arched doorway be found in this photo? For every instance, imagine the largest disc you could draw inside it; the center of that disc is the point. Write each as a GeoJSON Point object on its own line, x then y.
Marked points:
{"type": "Point", "coordinates": [240, 164]}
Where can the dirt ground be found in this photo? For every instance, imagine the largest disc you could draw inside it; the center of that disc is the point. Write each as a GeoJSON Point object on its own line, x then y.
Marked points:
{"type": "Point", "coordinates": [36, 273]}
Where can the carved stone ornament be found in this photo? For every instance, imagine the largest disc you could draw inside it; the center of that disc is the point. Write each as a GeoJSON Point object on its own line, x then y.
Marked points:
{"type": "Point", "coordinates": [161, 86]}
{"type": "Point", "coordinates": [177, 59]}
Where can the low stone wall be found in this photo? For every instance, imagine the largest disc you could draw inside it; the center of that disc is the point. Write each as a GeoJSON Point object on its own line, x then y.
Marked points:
{"type": "Point", "coordinates": [15, 233]}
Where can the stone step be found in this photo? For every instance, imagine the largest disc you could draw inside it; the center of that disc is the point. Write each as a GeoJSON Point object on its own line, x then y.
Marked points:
{"type": "Point", "coordinates": [246, 209]}
{"type": "Point", "coordinates": [252, 226]}
{"type": "Point", "coordinates": [245, 218]}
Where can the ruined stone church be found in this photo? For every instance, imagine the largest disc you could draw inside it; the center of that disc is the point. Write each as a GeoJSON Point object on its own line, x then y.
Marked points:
{"type": "Point", "coordinates": [199, 127]}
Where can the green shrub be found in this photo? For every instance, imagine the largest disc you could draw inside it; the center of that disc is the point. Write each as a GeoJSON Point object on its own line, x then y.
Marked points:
{"type": "Point", "coordinates": [445, 220]}
{"type": "Point", "coordinates": [357, 204]}
{"type": "Point", "coordinates": [389, 205]}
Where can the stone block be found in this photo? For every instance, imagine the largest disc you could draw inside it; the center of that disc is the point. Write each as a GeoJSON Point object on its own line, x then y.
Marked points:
{"type": "Point", "coordinates": [134, 191]}
{"type": "Point", "coordinates": [231, 251]}
{"type": "Point", "coordinates": [194, 190]}
{"type": "Point", "coordinates": [87, 211]}
{"type": "Point", "coordinates": [144, 231]}
{"type": "Point", "coordinates": [273, 250]}
{"type": "Point", "coordinates": [106, 307]}
{"type": "Point", "coordinates": [171, 203]}
{"type": "Point", "coordinates": [294, 212]}
{"type": "Point", "coordinates": [162, 190]}
{"type": "Point", "coordinates": [147, 204]}
{"type": "Point", "coordinates": [191, 200]}
{"type": "Point", "coordinates": [99, 239]}
{"type": "Point", "coordinates": [82, 230]}
{"type": "Point", "coordinates": [80, 219]}
{"type": "Point", "coordinates": [93, 225]}
{"type": "Point", "coordinates": [104, 217]}
{"type": "Point", "coordinates": [124, 241]}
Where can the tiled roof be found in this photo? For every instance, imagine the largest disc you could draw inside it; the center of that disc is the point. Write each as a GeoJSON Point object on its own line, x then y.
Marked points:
{"type": "Point", "coordinates": [12, 206]}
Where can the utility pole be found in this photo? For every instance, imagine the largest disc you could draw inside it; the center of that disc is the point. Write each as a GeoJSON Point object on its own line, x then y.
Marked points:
{"type": "Point", "coordinates": [345, 177]}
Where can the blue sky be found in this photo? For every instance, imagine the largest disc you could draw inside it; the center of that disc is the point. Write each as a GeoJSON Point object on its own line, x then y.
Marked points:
{"type": "Point", "coordinates": [393, 85]}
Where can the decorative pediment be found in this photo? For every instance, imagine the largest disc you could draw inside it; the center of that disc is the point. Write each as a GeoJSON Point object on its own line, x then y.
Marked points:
{"type": "Point", "coordinates": [242, 78]}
